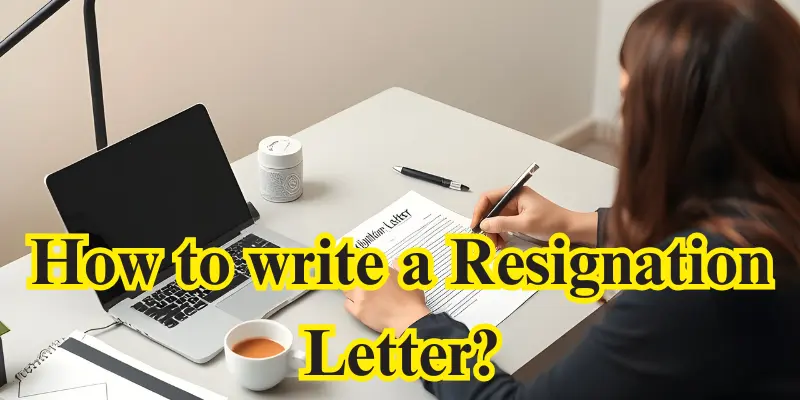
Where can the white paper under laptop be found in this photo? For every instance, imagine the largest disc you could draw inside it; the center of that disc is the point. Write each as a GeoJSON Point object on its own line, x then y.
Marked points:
{"type": "Point", "coordinates": [414, 221]}
{"type": "Point", "coordinates": [85, 368]}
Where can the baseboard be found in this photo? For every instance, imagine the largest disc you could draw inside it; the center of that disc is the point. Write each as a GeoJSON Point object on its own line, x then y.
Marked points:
{"type": "Point", "coordinates": [587, 131]}
{"type": "Point", "coordinates": [608, 131]}
{"type": "Point", "coordinates": [577, 135]}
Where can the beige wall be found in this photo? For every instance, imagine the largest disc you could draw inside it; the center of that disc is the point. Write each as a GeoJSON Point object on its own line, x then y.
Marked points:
{"type": "Point", "coordinates": [266, 67]}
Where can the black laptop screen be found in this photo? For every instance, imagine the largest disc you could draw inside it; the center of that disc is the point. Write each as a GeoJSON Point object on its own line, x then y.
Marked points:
{"type": "Point", "coordinates": [153, 189]}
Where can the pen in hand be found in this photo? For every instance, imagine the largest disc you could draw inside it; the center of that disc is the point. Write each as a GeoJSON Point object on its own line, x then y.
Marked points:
{"type": "Point", "coordinates": [512, 191]}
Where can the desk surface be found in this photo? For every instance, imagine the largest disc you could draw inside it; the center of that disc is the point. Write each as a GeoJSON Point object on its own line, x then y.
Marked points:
{"type": "Point", "coordinates": [348, 178]}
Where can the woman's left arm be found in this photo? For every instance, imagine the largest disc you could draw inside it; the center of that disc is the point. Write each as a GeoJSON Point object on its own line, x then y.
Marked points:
{"type": "Point", "coordinates": [441, 326]}
{"type": "Point", "coordinates": [650, 345]}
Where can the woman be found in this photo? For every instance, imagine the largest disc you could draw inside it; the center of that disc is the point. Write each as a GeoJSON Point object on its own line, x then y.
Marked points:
{"type": "Point", "coordinates": [711, 144]}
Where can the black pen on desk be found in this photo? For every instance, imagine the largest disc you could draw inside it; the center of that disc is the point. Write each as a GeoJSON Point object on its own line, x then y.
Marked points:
{"type": "Point", "coordinates": [510, 193]}
{"type": "Point", "coordinates": [436, 180]}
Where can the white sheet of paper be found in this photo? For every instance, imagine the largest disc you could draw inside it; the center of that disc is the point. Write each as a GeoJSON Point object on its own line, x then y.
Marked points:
{"type": "Point", "coordinates": [414, 221]}
{"type": "Point", "coordinates": [66, 376]}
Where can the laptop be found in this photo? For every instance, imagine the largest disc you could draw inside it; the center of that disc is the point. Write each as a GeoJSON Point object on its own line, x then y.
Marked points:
{"type": "Point", "coordinates": [154, 189]}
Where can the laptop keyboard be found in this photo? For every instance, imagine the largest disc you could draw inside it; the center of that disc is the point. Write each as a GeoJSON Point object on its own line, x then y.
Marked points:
{"type": "Point", "coordinates": [172, 305]}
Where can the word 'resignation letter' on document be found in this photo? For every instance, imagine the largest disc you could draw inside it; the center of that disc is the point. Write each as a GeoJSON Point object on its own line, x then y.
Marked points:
{"type": "Point", "coordinates": [414, 221]}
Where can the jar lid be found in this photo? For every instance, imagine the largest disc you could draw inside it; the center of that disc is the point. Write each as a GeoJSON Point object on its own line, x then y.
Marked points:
{"type": "Point", "coordinates": [280, 152]}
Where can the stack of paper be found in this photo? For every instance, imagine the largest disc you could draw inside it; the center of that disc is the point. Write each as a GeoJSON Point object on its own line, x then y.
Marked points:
{"type": "Point", "coordinates": [84, 368]}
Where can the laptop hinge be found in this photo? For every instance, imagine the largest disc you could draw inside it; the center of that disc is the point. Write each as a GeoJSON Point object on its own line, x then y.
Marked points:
{"type": "Point", "coordinates": [253, 212]}
{"type": "Point", "coordinates": [238, 230]}
{"type": "Point", "coordinates": [116, 300]}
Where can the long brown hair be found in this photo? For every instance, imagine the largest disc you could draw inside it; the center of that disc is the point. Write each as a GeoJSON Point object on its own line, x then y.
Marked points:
{"type": "Point", "coordinates": [711, 125]}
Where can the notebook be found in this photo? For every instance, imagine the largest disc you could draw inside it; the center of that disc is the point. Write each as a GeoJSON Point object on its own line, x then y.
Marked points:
{"type": "Point", "coordinates": [81, 367]}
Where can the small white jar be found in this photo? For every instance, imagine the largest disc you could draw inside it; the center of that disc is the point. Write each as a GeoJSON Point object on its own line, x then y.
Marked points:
{"type": "Point", "coordinates": [280, 162]}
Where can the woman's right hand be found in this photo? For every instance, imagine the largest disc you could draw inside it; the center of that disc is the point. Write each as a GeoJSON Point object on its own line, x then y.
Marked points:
{"type": "Point", "coordinates": [532, 214]}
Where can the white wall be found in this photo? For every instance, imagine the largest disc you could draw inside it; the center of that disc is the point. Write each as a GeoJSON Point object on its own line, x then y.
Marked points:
{"type": "Point", "coordinates": [615, 17]}
{"type": "Point", "coordinates": [275, 67]}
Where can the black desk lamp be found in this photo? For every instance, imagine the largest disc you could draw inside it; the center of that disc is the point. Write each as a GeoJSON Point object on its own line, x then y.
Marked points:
{"type": "Point", "coordinates": [92, 55]}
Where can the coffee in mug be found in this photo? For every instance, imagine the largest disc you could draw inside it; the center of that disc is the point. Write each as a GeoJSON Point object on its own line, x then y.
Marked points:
{"type": "Point", "coordinates": [259, 354]}
{"type": "Point", "coordinates": [257, 347]}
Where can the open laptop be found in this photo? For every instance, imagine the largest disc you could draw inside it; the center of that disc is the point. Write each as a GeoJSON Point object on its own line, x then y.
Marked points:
{"type": "Point", "coordinates": [154, 189]}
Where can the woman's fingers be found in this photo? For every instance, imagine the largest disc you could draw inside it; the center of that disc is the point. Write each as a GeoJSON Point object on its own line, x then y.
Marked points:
{"type": "Point", "coordinates": [496, 239]}
{"type": "Point", "coordinates": [486, 201]}
{"type": "Point", "coordinates": [354, 295]}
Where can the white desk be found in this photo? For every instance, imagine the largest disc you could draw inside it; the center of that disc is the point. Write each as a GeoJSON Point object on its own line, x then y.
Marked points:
{"type": "Point", "coordinates": [348, 178]}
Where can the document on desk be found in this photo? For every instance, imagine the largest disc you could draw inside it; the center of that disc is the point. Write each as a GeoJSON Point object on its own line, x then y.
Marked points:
{"type": "Point", "coordinates": [414, 221]}
{"type": "Point", "coordinates": [81, 367]}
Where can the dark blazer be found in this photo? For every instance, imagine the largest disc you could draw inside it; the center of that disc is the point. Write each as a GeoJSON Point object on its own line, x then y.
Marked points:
{"type": "Point", "coordinates": [661, 345]}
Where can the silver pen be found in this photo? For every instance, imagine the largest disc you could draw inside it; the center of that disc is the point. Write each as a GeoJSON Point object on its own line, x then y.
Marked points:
{"type": "Point", "coordinates": [512, 191]}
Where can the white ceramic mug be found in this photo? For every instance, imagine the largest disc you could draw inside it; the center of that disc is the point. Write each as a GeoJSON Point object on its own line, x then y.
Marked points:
{"type": "Point", "coordinates": [262, 373]}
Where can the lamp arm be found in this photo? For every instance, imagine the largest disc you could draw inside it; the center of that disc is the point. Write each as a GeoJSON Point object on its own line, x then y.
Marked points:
{"type": "Point", "coordinates": [92, 56]}
{"type": "Point", "coordinates": [95, 80]}
{"type": "Point", "coordinates": [30, 24]}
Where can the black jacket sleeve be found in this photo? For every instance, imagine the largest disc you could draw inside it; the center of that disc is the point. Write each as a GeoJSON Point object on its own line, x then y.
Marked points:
{"type": "Point", "coordinates": [651, 345]}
